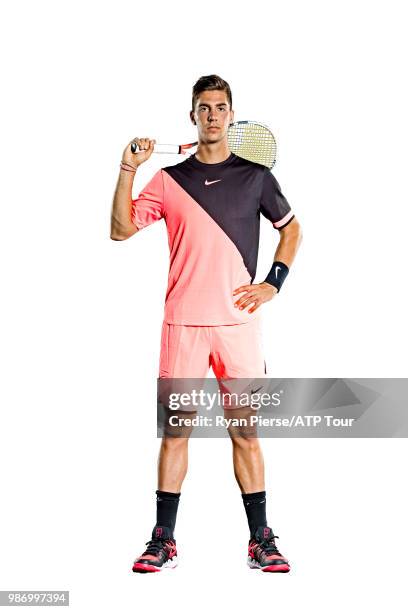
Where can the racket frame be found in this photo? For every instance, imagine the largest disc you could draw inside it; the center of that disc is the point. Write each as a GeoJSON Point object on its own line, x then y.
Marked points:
{"type": "Point", "coordinates": [184, 149]}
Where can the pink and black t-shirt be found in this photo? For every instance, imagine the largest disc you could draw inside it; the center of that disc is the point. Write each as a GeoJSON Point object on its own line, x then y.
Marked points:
{"type": "Point", "coordinates": [212, 213]}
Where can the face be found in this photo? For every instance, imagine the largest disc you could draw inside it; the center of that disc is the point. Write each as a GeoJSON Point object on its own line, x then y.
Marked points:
{"type": "Point", "coordinates": [212, 116]}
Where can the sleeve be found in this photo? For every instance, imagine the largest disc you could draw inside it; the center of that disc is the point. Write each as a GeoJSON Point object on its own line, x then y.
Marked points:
{"type": "Point", "coordinates": [274, 206]}
{"type": "Point", "coordinates": [148, 207]}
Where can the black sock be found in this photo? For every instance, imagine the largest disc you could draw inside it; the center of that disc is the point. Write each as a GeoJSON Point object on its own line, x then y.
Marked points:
{"type": "Point", "coordinates": [255, 508]}
{"type": "Point", "coordinates": [166, 512]}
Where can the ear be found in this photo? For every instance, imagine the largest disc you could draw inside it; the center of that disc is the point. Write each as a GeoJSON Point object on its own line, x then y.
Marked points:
{"type": "Point", "coordinates": [231, 116]}
{"type": "Point", "coordinates": [192, 118]}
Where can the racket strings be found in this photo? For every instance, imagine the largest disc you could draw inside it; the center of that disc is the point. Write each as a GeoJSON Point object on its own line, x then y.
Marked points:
{"type": "Point", "coordinates": [254, 142]}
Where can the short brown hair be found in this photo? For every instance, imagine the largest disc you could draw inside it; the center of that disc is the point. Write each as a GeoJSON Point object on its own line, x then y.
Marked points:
{"type": "Point", "coordinates": [210, 83]}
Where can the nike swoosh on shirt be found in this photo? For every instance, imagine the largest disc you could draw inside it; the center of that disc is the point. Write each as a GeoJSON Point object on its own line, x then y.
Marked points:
{"type": "Point", "coordinates": [211, 182]}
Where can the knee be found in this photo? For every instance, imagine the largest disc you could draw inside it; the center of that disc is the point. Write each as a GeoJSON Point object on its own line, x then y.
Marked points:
{"type": "Point", "coordinates": [249, 445]}
{"type": "Point", "coordinates": [169, 444]}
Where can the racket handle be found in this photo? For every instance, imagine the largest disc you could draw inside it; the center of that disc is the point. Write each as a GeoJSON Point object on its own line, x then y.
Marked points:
{"type": "Point", "coordinates": [161, 148]}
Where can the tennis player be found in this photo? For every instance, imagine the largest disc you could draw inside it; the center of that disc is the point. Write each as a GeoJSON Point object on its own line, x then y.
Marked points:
{"type": "Point", "coordinates": [211, 203]}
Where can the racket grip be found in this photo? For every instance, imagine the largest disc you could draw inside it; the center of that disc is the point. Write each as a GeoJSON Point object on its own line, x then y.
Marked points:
{"type": "Point", "coordinates": [160, 148]}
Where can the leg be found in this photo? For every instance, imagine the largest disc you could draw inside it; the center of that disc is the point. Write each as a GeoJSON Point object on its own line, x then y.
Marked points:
{"type": "Point", "coordinates": [238, 363]}
{"type": "Point", "coordinates": [172, 464]}
{"type": "Point", "coordinates": [184, 360]}
{"type": "Point", "coordinates": [184, 363]}
{"type": "Point", "coordinates": [248, 464]}
{"type": "Point", "coordinates": [246, 453]}
{"type": "Point", "coordinates": [263, 553]}
{"type": "Point", "coordinates": [172, 469]}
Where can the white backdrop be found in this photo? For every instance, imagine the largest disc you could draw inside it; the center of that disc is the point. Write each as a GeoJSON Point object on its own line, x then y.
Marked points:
{"type": "Point", "coordinates": [82, 314]}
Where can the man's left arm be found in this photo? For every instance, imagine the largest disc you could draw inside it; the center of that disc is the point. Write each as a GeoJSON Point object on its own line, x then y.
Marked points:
{"type": "Point", "coordinates": [257, 294]}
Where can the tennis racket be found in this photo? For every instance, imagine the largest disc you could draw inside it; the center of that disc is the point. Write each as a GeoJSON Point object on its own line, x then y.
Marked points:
{"type": "Point", "coordinates": [248, 139]}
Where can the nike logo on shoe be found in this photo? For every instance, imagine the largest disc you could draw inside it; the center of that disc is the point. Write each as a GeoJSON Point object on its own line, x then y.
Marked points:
{"type": "Point", "coordinates": [211, 182]}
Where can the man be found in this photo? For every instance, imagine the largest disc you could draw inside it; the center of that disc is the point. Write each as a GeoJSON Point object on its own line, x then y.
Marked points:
{"type": "Point", "coordinates": [211, 204]}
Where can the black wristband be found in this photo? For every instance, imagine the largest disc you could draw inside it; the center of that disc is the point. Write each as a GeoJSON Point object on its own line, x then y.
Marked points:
{"type": "Point", "coordinates": [277, 274]}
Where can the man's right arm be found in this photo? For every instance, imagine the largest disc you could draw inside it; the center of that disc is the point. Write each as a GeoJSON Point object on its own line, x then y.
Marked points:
{"type": "Point", "coordinates": [122, 226]}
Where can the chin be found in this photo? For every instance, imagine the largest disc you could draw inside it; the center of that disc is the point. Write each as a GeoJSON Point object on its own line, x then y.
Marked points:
{"type": "Point", "coordinates": [216, 137]}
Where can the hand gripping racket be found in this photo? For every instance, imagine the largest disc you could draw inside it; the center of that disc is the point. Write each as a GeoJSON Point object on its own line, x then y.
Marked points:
{"type": "Point", "coordinates": [248, 139]}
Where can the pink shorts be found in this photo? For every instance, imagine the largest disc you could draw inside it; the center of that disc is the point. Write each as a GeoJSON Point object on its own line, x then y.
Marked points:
{"type": "Point", "coordinates": [232, 351]}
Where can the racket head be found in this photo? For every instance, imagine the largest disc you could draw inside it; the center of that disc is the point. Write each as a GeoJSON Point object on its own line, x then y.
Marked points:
{"type": "Point", "coordinates": [253, 141]}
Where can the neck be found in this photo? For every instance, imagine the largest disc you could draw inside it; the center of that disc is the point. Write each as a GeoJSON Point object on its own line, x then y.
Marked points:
{"type": "Point", "coordinates": [212, 153]}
